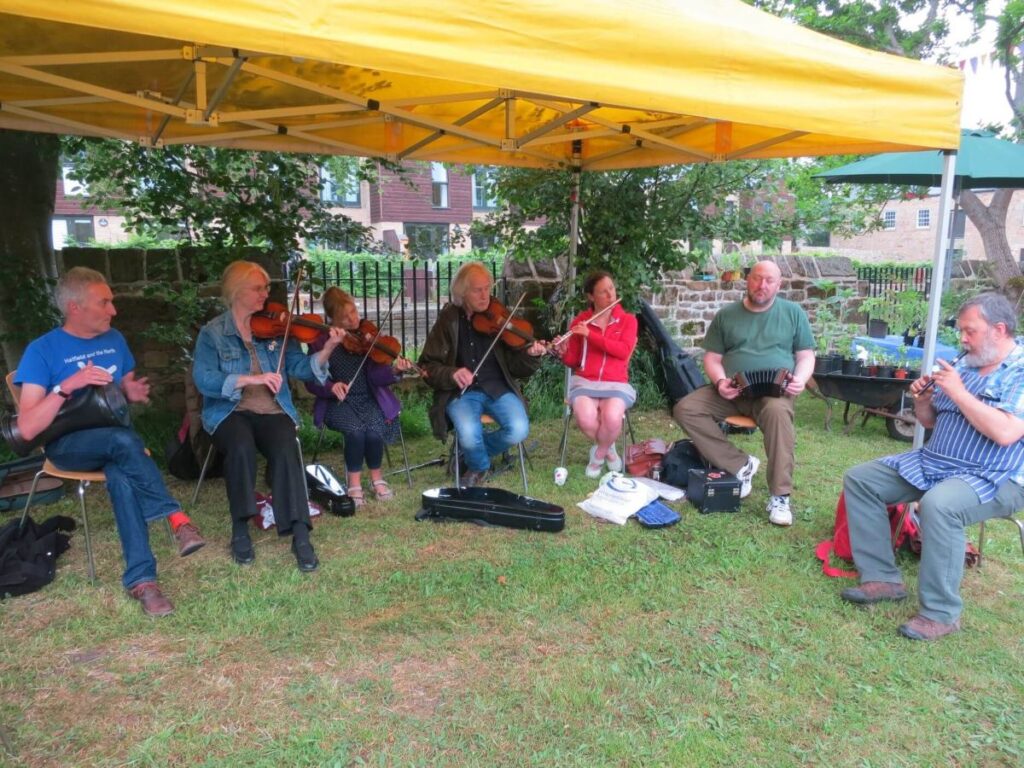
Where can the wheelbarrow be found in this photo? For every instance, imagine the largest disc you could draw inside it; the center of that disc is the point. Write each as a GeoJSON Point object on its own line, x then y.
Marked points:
{"type": "Point", "coordinates": [873, 396]}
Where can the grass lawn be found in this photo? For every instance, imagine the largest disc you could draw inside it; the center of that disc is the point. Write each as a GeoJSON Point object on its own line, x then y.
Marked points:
{"type": "Point", "coordinates": [715, 642]}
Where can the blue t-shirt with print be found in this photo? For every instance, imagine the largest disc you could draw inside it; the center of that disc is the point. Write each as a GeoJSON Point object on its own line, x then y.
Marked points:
{"type": "Point", "coordinates": [56, 355]}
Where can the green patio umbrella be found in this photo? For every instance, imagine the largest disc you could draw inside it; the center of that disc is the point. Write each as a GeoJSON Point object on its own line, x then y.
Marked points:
{"type": "Point", "coordinates": [983, 162]}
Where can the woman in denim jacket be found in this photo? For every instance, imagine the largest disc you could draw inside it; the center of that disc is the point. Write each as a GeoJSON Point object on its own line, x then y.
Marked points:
{"type": "Point", "coordinates": [247, 406]}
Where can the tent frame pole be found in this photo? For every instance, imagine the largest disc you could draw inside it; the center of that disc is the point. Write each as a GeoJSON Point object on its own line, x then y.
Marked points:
{"type": "Point", "coordinates": [942, 246]}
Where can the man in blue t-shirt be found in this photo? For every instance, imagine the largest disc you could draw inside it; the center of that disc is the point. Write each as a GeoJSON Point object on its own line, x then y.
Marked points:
{"type": "Point", "coordinates": [85, 351]}
{"type": "Point", "coordinates": [760, 332]}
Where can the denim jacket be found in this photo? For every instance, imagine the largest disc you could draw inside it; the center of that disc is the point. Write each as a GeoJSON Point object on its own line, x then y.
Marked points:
{"type": "Point", "coordinates": [221, 357]}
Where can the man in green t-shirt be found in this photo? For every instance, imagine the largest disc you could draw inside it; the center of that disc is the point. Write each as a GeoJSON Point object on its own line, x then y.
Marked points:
{"type": "Point", "coordinates": [760, 332]}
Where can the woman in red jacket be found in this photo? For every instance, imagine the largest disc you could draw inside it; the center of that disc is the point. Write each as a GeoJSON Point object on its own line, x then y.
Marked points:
{"type": "Point", "coordinates": [598, 351]}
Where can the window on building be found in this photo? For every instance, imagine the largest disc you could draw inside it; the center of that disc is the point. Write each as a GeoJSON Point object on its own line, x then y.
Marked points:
{"type": "Point", "coordinates": [344, 191]}
{"type": "Point", "coordinates": [924, 218]}
{"type": "Point", "coordinates": [483, 190]}
{"type": "Point", "coordinates": [72, 188]}
{"type": "Point", "coordinates": [889, 220]}
{"type": "Point", "coordinates": [427, 241]}
{"type": "Point", "coordinates": [438, 185]}
{"type": "Point", "coordinates": [71, 230]}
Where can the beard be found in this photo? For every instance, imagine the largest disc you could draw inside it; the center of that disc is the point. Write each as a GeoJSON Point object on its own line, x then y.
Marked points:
{"type": "Point", "coordinates": [755, 301]}
{"type": "Point", "coordinates": [987, 353]}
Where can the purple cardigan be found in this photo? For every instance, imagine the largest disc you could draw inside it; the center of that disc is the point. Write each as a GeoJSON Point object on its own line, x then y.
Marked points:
{"type": "Point", "coordinates": [379, 377]}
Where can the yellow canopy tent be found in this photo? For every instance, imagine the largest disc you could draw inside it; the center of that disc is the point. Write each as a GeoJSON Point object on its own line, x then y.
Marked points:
{"type": "Point", "coordinates": [640, 82]}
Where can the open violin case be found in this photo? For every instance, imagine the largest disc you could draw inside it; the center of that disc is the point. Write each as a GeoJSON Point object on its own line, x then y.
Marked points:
{"type": "Point", "coordinates": [491, 506]}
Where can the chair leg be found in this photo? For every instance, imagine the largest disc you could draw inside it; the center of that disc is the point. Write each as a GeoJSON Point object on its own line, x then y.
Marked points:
{"type": "Point", "coordinates": [455, 460]}
{"type": "Point", "coordinates": [629, 426]}
{"type": "Point", "coordinates": [981, 542]}
{"type": "Point", "coordinates": [82, 485]}
{"type": "Point", "coordinates": [522, 468]}
{"type": "Point", "coordinates": [563, 446]}
{"type": "Point", "coordinates": [170, 531]}
{"type": "Point", "coordinates": [1020, 528]}
{"type": "Point", "coordinates": [302, 465]}
{"type": "Point", "coordinates": [28, 501]}
{"type": "Point", "coordinates": [405, 456]}
{"type": "Point", "coordinates": [202, 474]}
{"type": "Point", "coordinates": [319, 440]}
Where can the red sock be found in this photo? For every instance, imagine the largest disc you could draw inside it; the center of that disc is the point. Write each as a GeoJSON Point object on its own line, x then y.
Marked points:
{"type": "Point", "coordinates": [178, 519]}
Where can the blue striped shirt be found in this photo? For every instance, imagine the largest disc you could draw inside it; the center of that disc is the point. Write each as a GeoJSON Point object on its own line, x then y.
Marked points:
{"type": "Point", "coordinates": [957, 449]}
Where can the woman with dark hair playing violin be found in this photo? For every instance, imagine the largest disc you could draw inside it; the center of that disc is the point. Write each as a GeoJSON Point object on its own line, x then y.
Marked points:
{"type": "Point", "coordinates": [600, 341]}
{"type": "Point", "coordinates": [247, 407]}
{"type": "Point", "coordinates": [357, 399]}
{"type": "Point", "coordinates": [468, 382]}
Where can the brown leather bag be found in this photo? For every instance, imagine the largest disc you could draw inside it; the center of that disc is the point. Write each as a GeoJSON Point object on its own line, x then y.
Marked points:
{"type": "Point", "coordinates": [644, 459]}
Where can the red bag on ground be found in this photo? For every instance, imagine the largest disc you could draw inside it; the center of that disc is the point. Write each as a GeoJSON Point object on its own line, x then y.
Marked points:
{"type": "Point", "coordinates": [908, 536]}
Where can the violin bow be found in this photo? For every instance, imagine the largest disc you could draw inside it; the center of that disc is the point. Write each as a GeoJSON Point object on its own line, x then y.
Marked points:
{"type": "Point", "coordinates": [380, 330]}
{"type": "Point", "coordinates": [567, 334]}
{"type": "Point", "coordinates": [497, 336]}
{"type": "Point", "coordinates": [288, 321]}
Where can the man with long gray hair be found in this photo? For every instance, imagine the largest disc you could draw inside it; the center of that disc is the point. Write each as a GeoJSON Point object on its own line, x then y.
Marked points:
{"type": "Point", "coordinates": [972, 469]}
{"type": "Point", "coordinates": [86, 352]}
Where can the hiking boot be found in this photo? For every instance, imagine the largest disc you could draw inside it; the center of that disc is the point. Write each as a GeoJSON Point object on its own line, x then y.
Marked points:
{"type": "Point", "coordinates": [594, 466]}
{"type": "Point", "coordinates": [152, 599]}
{"type": "Point", "coordinates": [778, 511]}
{"type": "Point", "coordinates": [746, 475]}
{"type": "Point", "coordinates": [189, 539]}
{"type": "Point", "coordinates": [871, 592]}
{"type": "Point", "coordinates": [923, 628]}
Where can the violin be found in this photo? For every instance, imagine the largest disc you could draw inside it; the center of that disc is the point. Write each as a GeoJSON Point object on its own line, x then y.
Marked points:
{"type": "Point", "coordinates": [517, 334]}
{"type": "Point", "coordinates": [272, 322]}
{"type": "Point", "coordinates": [384, 350]}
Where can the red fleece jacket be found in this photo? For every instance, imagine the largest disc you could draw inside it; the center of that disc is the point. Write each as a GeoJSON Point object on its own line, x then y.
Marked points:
{"type": "Point", "coordinates": [603, 355]}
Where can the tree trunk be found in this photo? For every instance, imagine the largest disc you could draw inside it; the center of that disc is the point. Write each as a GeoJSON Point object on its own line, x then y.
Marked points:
{"type": "Point", "coordinates": [28, 180]}
{"type": "Point", "coordinates": [991, 223]}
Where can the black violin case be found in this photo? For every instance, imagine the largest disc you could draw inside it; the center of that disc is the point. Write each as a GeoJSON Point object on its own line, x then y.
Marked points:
{"type": "Point", "coordinates": [491, 506]}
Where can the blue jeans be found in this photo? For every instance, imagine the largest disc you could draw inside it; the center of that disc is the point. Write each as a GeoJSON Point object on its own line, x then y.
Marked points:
{"type": "Point", "coordinates": [477, 445]}
{"type": "Point", "coordinates": [136, 487]}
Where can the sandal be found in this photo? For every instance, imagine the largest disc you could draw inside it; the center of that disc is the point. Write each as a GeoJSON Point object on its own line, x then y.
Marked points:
{"type": "Point", "coordinates": [382, 490]}
{"type": "Point", "coordinates": [595, 465]}
{"type": "Point", "coordinates": [356, 494]}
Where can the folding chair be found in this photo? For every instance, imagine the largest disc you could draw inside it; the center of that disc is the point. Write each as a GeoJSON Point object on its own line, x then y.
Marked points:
{"type": "Point", "coordinates": [567, 416]}
{"type": "Point", "coordinates": [84, 480]}
{"type": "Point", "coordinates": [981, 534]}
{"type": "Point", "coordinates": [209, 457]}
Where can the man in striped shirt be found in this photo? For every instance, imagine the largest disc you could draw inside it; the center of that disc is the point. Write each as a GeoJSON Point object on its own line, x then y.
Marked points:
{"type": "Point", "coordinates": [972, 469]}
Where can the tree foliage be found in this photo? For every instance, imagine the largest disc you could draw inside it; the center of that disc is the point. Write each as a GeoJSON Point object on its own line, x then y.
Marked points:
{"type": "Point", "coordinates": [223, 198]}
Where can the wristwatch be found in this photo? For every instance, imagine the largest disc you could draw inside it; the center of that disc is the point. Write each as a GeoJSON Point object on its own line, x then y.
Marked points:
{"type": "Point", "coordinates": [60, 392]}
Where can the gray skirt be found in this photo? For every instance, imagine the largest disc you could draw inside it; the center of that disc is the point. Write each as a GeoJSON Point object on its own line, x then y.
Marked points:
{"type": "Point", "coordinates": [601, 390]}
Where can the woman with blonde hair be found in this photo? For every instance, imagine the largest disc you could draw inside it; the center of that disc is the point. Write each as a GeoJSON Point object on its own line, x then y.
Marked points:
{"type": "Point", "coordinates": [357, 400]}
{"type": "Point", "coordinates": [247, 407]}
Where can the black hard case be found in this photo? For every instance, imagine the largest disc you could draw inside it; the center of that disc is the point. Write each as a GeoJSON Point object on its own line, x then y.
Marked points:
{"type": "Point", "coordinates": [491, 506]}
{"type": "Point", "coordinates": [712, 490]}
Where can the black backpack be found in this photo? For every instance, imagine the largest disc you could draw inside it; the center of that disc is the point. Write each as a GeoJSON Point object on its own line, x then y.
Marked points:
{"type": "Point", "coordinates": [28, 555]}
{"type": "Point", "coordinates": [682, 374]}
{"type": "Point", "coordinates": [682, 456]}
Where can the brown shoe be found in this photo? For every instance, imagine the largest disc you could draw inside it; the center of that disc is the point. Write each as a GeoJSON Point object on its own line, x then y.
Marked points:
{"type": "Point", "coordinates": [922, 628]}
{"type": "Point", "coordinates": [874, 592]}
{"type": "Point", "coordinates": [472, 478]}
{"type": "Point", "coordinates": [153, 601]}
{"type": "Point", "coordinates": [188, 538]}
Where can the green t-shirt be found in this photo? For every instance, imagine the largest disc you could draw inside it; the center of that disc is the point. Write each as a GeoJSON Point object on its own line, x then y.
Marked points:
{"type": "Point", "coordinates": [755, 341]}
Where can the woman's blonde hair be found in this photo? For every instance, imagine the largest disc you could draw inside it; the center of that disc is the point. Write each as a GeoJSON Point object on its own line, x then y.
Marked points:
{"type": "Point", "coordinates": [459, 282]}
{"type": "Point", "coordinates": [235, 275]}
{"type": "Point", "coordinates": [335, 300]}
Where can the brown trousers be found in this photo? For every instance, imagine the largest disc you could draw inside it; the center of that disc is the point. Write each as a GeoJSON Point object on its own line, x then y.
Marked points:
{"type": "Point", "coordinates": [701, 411]}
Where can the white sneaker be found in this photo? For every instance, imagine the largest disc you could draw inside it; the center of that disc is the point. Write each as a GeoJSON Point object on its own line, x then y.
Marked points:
{"type": "Point", "coordinates": [778, 510]}
{"type": "Point", "coordinates": [595, 466]}
{"type": "Point", "coordinates": [613, 459]}
{"type": "Point", "coordinates": [746, 475]}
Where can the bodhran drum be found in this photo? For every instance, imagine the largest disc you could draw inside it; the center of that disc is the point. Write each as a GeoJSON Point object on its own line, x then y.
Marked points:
{"type": "Point", "coordinates": [769, 382]}
{"type": "Point", "coordinates": [89, 408]}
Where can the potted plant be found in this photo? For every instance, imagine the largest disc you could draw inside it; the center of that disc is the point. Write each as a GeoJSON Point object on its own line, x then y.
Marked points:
{"type": "Point", "coordinates": [903, 312]}
{"type": "Point", "coordinates": [732, 265]}
{"type": "Point", "coordinates": [902, 370]}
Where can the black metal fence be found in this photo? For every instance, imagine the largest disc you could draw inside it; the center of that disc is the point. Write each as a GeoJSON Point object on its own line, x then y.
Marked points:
{"type": "Point", "coordinates": [422, 287]}
{"type": "Point", "coordinates": [888, 281]}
